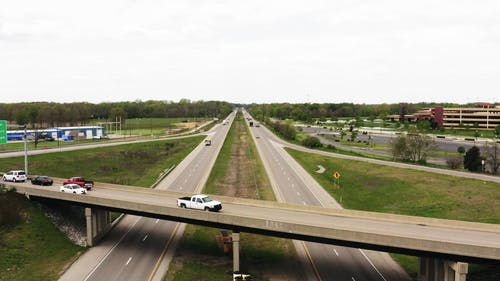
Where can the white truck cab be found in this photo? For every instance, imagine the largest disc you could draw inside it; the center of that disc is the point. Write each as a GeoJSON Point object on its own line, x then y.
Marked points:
{"type": "Point", "coordinates": [200, 202]}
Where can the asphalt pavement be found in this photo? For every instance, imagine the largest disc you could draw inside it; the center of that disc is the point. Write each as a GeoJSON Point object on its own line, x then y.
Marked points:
{"type": "Point", "coordinates": [141, 248]}
{"type": "Point", "coordinates": [292, 184]}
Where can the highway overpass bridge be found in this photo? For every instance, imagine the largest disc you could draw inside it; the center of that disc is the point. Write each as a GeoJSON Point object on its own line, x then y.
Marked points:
{"type": "Point", "coordinates": [437, 241]}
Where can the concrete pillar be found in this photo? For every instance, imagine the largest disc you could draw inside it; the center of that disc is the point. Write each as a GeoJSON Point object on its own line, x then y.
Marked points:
{"type": "Point", "coordinates": [433, 269]}
{"type": "Point", "coordinates": [98, 224]}
{"type": "Point", "coordinates": [456, 271]}
{"type": "Point", "coordinates": [236, 251]}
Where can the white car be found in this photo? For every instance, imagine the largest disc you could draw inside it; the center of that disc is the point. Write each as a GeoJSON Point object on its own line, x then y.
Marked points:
{"type": "Point", "coordinates": [73, 188]}
{"type": "Point", "coordinates": [15, 176]}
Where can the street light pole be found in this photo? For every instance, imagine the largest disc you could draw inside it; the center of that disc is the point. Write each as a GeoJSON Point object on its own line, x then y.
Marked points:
{"type": "Point", "coordinates": [25, 151]}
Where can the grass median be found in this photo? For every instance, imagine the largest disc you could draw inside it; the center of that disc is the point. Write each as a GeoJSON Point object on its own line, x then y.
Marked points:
{"type": "Point", "coordinates": [237, 172]}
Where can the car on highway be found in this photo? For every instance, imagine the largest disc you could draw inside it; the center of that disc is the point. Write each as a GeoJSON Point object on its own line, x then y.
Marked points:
{"type": "Point", "coordinates": [42, 180]}
{"type": "Point", "coordinates": [15, 176]}
{"type": "Point", "coordinates": [200, 202]}
{"type": "Point", "coordinates": [80, 181]}
{"type": "Point", "coordinates": [73, 188]}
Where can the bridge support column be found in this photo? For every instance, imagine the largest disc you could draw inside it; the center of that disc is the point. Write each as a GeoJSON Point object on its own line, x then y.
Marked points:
{"type": "Point", "coordinates": [98, 224]}
{"type": "Point", "coordinates": [236, 251]}
{"type": "Point", "coordinates": [433, 269]}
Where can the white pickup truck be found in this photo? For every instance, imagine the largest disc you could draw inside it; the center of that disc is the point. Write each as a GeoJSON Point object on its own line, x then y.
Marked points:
{"type": "Point", "coordinates": [200, 202]}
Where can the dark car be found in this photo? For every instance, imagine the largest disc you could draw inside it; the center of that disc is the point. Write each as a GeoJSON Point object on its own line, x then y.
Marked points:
{"type": "Point", "coordinates": [42, 180]}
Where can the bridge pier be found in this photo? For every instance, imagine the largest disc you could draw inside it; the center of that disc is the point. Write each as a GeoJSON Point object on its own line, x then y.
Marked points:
{"type": "Point", "coordinates": [433, 269]}
{"type": "Point", "coordinates": [98, 224]}
{"type": "Point", "coordinates": [236, 251]}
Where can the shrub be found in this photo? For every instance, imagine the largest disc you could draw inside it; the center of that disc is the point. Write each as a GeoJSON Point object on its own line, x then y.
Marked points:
{"type": "Point", "coordinates": [454, 162]}
{"type": "Point", "coordinates": [461, 149]}
{"type": "Point", "coordinates": [311, 142]}
{"type": "Point", "coordinates": [472, 159]}
{"type": "Point", "coordinates": [331, 146]}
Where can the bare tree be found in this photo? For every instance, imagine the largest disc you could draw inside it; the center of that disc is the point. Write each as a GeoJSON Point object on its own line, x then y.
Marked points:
{"type": "Point", "coordinates": [492, 156]}
{"type": "Point", "coordinates": [455, 162]}
{"type": "Point", "coordinates": [412, 147]}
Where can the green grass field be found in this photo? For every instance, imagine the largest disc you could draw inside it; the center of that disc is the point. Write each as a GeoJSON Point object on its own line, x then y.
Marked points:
{"type": "Point", "coordinates": [134, 164]}
{"type": "Point", "coordinates": [378, 188]}
{"type": "Point", "coordinates": [31, 247]}
{"type": "Point", "coordinates": [155, 126]}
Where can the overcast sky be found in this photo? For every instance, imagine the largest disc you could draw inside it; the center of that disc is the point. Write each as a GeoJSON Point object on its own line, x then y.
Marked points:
{"type": "Point", "coordinates": [250, 51]}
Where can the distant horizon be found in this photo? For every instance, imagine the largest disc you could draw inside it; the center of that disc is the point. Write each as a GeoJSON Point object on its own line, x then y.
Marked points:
{"type": "Point", "coordinates": [193, 101]}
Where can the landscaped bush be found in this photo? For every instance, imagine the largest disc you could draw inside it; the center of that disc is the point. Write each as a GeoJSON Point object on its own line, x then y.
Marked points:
{"type": "Point", "coordinates": [311, 142]}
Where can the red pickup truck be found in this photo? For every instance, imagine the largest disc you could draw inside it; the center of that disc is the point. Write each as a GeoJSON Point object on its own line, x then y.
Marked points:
{"type": "Point", "coordinates": [80, 181]}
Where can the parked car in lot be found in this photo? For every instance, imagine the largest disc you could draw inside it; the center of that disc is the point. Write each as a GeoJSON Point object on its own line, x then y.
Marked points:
{"type": "Point", "coordinates": [15, 176]}
{"type": "Point", "coordinates": [73, 188]}
{"type": "Point", "coordinates": [42, 180]}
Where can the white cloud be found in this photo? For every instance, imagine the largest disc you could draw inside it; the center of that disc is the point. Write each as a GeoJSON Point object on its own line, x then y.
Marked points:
{"type": "Point", "coordinates": [250, 51]}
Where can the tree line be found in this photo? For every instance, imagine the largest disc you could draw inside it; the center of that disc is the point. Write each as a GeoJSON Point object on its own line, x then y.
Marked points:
{"type": "Point", "coordinates": [49, 114]}
{"type": "Point", "coordinates": [309, 111]}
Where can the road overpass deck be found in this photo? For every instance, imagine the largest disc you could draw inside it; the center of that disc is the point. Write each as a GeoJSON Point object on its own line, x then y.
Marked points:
{"type": "Point", "coordinates": [457, 240]}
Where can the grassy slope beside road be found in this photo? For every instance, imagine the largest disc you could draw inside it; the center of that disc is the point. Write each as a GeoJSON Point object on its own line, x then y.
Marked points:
{"type": "Point", "coordinates": [31, 248]}
{"type": "Point", "coordinates": [132, 164]}
{"type": "Point", "coordinates": [376, 188]}
{"type": "Point", "coordinates": [237, 172]}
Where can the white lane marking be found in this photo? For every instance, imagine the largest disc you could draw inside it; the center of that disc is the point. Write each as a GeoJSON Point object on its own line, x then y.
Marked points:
{"type": "Point", "coordinates": [145, 237]}
{"type": "Point", "coordinates": [129, 259]}
{"type": "Point", "coordinates": [288, 178]}
{"type": "Point", "coordinates": [157, 220]}
{"type": "Point", "coordinates": [366, 257]}
{"type": "Point", "coordinates": [298, 193]}
{"type": "Point", "coordinates": [353, 279]}
{"type": "Point", "coordinates": [304, 203]}
{"type": "Point", "coordinates": [336, 253]}
{"type": "Point", "coordinates": [293, 185]}
{"type": "Point", "coordinates": [103, 259]}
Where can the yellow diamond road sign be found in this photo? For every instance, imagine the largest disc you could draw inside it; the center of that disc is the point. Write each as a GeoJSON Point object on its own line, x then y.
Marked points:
{"type": "Point", "coordinates": [336, 175]}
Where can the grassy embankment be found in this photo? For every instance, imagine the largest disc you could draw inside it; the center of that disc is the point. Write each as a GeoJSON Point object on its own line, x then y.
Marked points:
{"type": "Point", "coordinates": [237, 172]}
{"type": "Point", "coordinates": [378, 188]}
{"type": "Point", "coordinates": [31, 248]}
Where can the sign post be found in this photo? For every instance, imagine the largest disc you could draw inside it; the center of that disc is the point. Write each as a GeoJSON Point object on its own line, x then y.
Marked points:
{"type": "Point", "coordinates": [3, 131]}
{"type": "Point", "coordinates": [336, 176]}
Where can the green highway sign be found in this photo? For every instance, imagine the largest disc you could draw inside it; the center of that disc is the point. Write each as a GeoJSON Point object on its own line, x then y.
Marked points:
{"type": "Point", "coordinates": [3, 131]}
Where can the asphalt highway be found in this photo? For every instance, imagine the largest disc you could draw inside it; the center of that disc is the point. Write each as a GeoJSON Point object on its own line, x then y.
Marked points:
{"type": "Point", "coordinates": [329, 262]}
{"type": "Point", "coordinates": [140, 248]}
